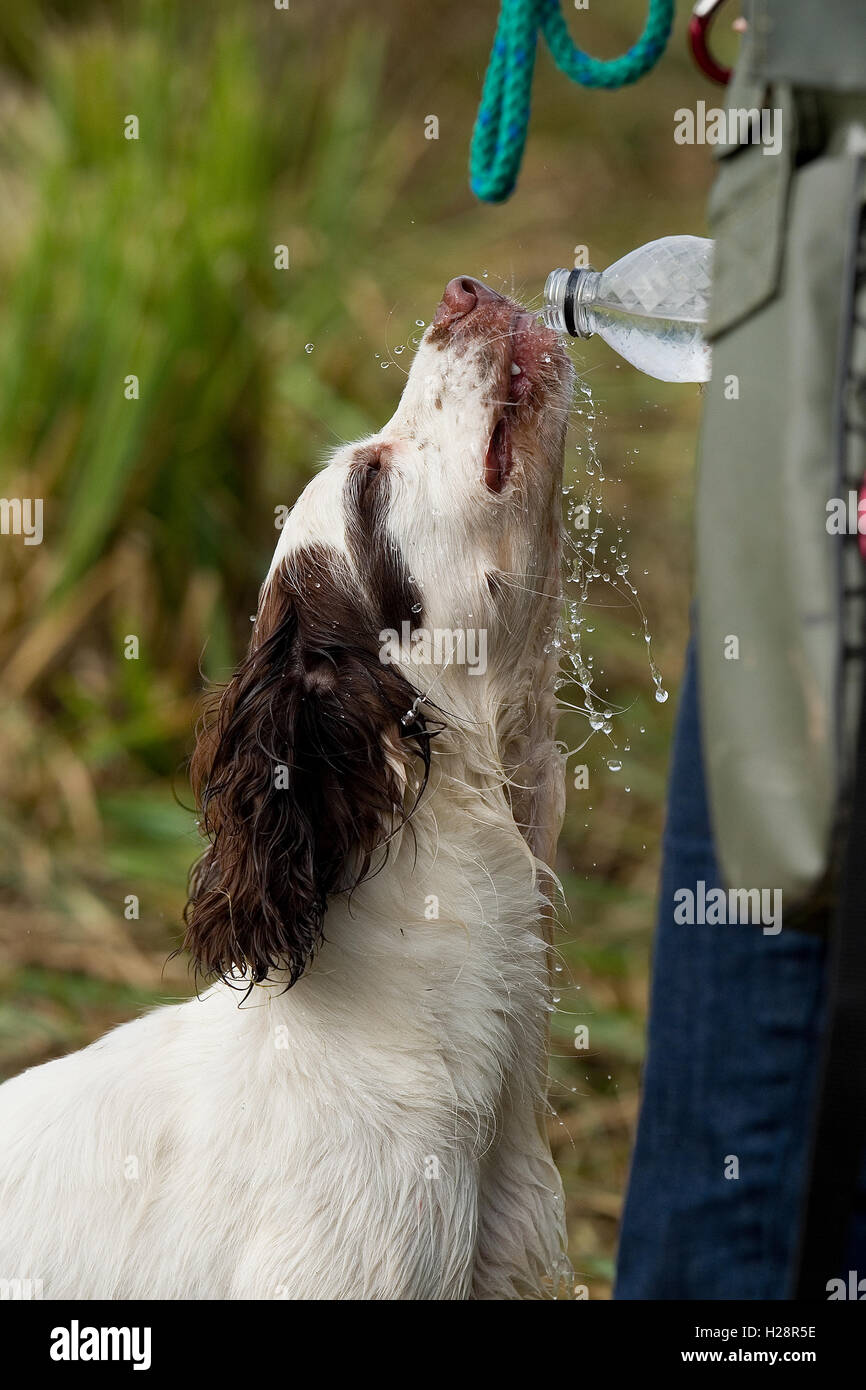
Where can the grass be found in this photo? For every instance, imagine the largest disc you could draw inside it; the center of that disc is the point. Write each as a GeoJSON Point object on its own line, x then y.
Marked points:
{"type": "Point", "coordinates": [155, 258]}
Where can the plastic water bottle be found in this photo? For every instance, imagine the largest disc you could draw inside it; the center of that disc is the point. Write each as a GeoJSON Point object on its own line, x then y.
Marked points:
{"type": "Point", "coordinates": [650, 306]}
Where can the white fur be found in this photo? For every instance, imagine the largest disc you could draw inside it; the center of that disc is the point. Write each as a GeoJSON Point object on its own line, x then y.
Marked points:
{"type": "Point", "coordinates": [376, 1132]}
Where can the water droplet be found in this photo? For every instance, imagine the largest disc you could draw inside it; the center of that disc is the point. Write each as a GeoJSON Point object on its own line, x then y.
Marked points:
{"type": "Point", "coordinates": [615, 764]}
{"type": "Point", "coordinates": [308, 347]}
{"type": "Point", "coordinates": [419, 323]}
{"type": "Point", "coordinates": [661, 695]}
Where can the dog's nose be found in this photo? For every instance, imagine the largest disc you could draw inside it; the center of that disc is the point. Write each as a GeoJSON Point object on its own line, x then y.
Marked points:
{"type": "Point", "coordinates": [462, 295]}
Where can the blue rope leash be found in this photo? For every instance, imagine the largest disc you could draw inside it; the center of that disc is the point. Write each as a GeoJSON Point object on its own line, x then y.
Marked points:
{"type": "Point", "coordinates": [503, 116]}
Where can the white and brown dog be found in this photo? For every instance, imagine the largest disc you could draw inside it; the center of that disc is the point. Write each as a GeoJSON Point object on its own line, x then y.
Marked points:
{"type": "Point", "coordinates": [354, 1110]}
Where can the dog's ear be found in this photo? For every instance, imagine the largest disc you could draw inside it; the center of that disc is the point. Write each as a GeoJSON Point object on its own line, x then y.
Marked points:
{"type": "Point", "coordinates": [302, 773]}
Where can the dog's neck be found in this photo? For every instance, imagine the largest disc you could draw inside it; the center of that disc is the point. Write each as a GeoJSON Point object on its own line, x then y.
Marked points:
{"type": "Point", "coordinates": [503, 756]}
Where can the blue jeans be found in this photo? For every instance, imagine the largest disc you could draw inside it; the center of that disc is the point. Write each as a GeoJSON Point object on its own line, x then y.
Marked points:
{"type": "Point", "coordinates": [729, 1081]}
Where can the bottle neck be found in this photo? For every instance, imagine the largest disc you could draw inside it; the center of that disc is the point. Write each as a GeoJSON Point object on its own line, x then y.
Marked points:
{"type": "Point", "coordinates": [568, 294]}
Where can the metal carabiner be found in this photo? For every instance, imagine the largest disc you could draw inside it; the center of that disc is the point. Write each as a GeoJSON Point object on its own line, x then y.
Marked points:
{"type": "Point", "coordinates": [700, 21]}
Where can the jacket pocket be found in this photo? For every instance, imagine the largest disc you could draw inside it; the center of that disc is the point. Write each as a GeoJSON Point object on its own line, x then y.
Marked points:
{"type": "Point", "coordinates": [747, 213]}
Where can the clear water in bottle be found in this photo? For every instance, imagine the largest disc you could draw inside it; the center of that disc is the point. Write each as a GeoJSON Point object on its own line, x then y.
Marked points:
{"type": "Point", "coordinates": [650, 306]}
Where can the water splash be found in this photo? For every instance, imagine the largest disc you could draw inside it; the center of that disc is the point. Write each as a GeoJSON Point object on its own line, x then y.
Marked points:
{"type": "Point", "coordinates": [589, 562]}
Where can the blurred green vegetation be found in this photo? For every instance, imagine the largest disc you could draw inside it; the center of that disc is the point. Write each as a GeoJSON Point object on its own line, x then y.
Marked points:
{"type": "Point", "coordinates": [155, 258]}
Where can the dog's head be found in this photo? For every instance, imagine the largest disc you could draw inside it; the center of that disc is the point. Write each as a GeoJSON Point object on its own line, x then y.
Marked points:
{"type": "Point", "coordinates": [413, 591]}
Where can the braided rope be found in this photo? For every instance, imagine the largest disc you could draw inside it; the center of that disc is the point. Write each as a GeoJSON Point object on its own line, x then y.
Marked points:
{"type": "Point", "coordinates": [503, 115]}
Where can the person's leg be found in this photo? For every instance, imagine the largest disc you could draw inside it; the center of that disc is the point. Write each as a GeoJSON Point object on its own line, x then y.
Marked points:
{"type": "Point", "coordinates": [715, 1190]}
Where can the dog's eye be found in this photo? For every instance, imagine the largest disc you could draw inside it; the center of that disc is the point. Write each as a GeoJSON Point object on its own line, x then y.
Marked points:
{"type": "Point", "coordinates": [497, 463]}
{"type": "Point", "coordinates": [369, 468]}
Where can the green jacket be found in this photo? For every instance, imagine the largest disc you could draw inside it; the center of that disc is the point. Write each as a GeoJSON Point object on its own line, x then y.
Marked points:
{"type": "Point", "coordinates": [779, 594]}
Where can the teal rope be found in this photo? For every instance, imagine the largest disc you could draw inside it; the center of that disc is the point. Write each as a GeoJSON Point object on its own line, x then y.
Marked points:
{"type": "Point", "coordinates": [503, 116]}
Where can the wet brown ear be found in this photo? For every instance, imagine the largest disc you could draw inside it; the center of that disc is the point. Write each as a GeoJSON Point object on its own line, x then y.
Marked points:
{"type": "Point", "coordinates": [298, 776]}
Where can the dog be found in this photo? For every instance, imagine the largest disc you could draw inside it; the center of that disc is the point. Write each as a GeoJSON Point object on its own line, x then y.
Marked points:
{"type": "Point", "coordinates": [354, 1107]}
